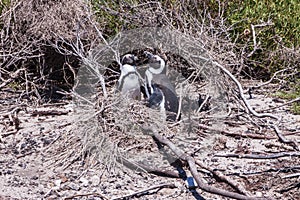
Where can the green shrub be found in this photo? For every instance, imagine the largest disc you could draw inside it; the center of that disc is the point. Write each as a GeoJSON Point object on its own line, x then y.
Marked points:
{"type": "Point", "coordinates": [290, 95]}
{"type": "Point", "coordinates": [283, 13]}
{"type": "Point", "coordinates": [4, 4]}
{"type": "Point", "coordinates": [284, 32]}
{"type": "Point", "coordinates": [111, 23]}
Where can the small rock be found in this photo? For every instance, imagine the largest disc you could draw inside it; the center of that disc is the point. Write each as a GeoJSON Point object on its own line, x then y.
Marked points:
{"type": "Point", "coordinates": [57, 182]}
{"type": "Point", "coordinates": [95, 180]}
{"type": "Point", "coordinates": [118, 186]}
{"type": "Point", "coordinates": [230, 144]}
{"type": "Point", "coordinates": [63, 178]}
{"type": "Point", "coordinates": [84, 181]}
{"type": "Point", "coordinates": [258, 194]}
{"type": "Point", "coordinates": [74, 186]}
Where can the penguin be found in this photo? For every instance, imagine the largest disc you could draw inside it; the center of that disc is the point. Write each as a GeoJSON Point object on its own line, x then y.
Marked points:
{"type": "Point", "coordinates": [161, 91]}
{"type": "Point", "coordinates": [129, 81]}
{"type": "Point", "coordinates": [165, 100]}
{"type": "Point", "coordinates": [156, 73]}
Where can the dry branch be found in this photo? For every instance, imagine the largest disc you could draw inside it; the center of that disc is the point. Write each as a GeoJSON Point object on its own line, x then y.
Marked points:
{"type": "Point", "coordinates": [267, 82]}
{"type": "Point", "coordinates": [255, 44]}
{"type": "Point", "coordinates": [94, 194]}
{"type": "Point", "coordinates": [284, 104]}
{"type": "Point", "coordinates": [228, 133]}
{"type": "Point", "coordinates": [143, 192]}
{"type": "Point", "coordinates": [276, 170]}
{"type": "Point", "coordinates": [241, 94]}
{"type": "Point", "coordinates": [283, 139]}
{"type": "Point", "coordinates": [238, 187]}
{"type": "Point", "coordinates": [153, 170]}
{"type": "Point", "coordinates": [292, 175]}
{"type": "Point", "coordinates": [258, 156]}
{"type": "Point", "coordinates": [191, 162]}
{"type": "Point", "coordinates": [290, 187]}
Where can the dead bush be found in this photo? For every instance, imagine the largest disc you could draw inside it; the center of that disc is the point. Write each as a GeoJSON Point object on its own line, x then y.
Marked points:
{"type": "Point", "coordinates": [29, 29]}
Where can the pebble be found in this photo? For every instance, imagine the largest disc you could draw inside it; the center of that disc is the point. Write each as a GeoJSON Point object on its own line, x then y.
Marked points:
{"type": "Point", "coordinates": [95, 180]}
{"type": "Point", "coordinates": [258, 194]}
{"type": "Point", "coordinates": [84, 181]}
{"type": "Point", "coordinates": [74, 186]}
{"type": "Point", "coordinates": [57, 182]}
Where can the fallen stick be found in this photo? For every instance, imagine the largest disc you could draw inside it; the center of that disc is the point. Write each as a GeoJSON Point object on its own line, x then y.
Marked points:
{"type": "Point", "coordinates": [241, 93]}
{"type": "Point", "coordinates": [284, 104]}
{"type": "Point", "coordinates": [220, 176]}
{"type": "Point", "coordinates": [283, 139]}
{"type": "Point", "coordinates": [254, 136]}
{"type": "Point", "coordinates": [95, 194]}
{"type": "Point", "coordinates": [276, 170]}
{"type": "Point", "coordinates": [165, 185]}
{"type": "Point", "coordinates": [292, 175]}
{"type": "Point", "coordinates": [152, 170]}
{"type": "Point", "coordinates": [290, 187]}
{"type": "Point", "coordinates": [267, 82]}
{"type": "Point", "coordinates": [48, 112]}
{"type": "Point", "coordinates": [192, 165]}
{"type": "Point", "coordinates": [257, 156]}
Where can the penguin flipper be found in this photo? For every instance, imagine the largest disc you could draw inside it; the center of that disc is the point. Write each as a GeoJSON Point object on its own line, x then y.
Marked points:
{"type": "Point", "coordinates": [155, 99]}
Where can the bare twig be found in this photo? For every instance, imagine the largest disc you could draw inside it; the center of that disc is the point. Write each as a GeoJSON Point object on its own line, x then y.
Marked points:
{"type": "Point", "coordinates": [203, 103]}
{"type": "Point", "coordinates": [94, 194]}
{"type": "Point", "coordinates": [140, 192]}
{"type": "Point", "coordinates": [290, 187]}
{"type": "Point", "coordinates": [191, 162]}
{"type": "Point", "coordinates": [238, 84]}
{"type": "Point", "coordinates": [283, 139]}
{"type": "Point", "coordinates": [145, 168]}
{"type": "Point", "coordinates": [284, 104]}
{"type": "Point", "coordinates": [292, 175]}
{"type": "Point", "coordinates": [238, 187]}
{"type": "Point", "coordinates": [259, 156]}
{"type": "Point", "coordinates": [244, 135]}
{"type": "Point", "coordinates": [284, 169]}
{"type": "Point", "coordinates": [8, 133]}
{"type": "Point", "coordinates": [267, 82]}
{"type": "Point", "coordinates": [255, 45]}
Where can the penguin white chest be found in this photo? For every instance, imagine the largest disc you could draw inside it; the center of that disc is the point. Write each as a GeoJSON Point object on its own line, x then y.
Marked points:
{"type": "Point", "coordinates": [130, 82]}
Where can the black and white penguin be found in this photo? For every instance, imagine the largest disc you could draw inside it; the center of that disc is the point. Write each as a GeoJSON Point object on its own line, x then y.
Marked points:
{"type": "Point", "coordinates": [129, 82]}
{"type": "Point", "coordinates": [156, 72]}
{"type": "Point", "coordinates": [161, 92]}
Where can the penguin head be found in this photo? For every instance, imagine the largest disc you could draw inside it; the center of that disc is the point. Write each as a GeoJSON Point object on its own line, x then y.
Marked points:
{"type": "Point", "coordinates": [128, 64]}
{"type": "Point", "coordinates": [157, 65]}
{"type": "Point", "coordinates": [129, 59]}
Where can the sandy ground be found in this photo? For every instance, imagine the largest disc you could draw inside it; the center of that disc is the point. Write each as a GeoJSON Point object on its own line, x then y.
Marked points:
{"type": "Point", "coordinates": [30, 167]}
